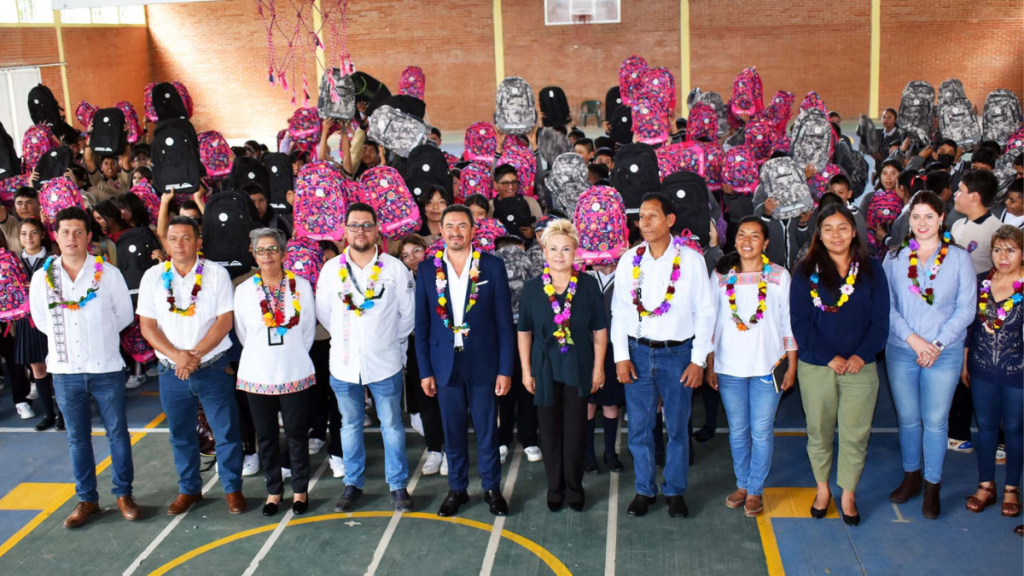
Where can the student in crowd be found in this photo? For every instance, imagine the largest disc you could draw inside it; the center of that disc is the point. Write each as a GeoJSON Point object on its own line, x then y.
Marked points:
{"type": "Point", "coordinates": [883, 206]}
{"type": "Point", "coordinates": [269, 217]}
{"type": "Point", "coordinates": [1012, 211]}
{"type": "Point", "coordinates": [26, 205]}
{"type": "Point", "coordinates": [908, 185]}
{"type": "Point", "coordinates": [585, 148]}
{"type": "Point", "coordinates": [598, 174]}
{"type": "Point", "coordinates": [435, 200]}
{"type": "Point", "coordinates": [366, 303]}
{"type": "Point", "coordinates": [833, 198]}
{"type": "Point", "coordinates": [275, 370]}
{"type": "Point", "coordinates": [994, 367]}
{"type": "Point", "coordinates": [753, 338]}
{"type": "Point", "coordinates": [661, 341]}
{"type": "Point", "coordinates": [563, 338]}
{"type": "Point", "coordinates": [605, 156]}
{"type": "Point", "coordinates": [890, 135]}
{"type": "Point", "coordinates": [610, 396]}
{"type": "Point", "coordinates": [185, 312]}
{"type": "Point", "coordinates": [82, 304]}
{"type": "Point", "coordinates": [786, 237]}
{"type": "Point", "coordinates": [507, 184]}
{"type": "Point", "coordinates": [29, 343]}
{"type": "Point", "coordinates": [479, 205]}
{"type": "Point", "coordinates": [839, 311]}
{"type": "Point", "coordinates": [932, 290]}
{"type": "Point", "coordinates": [937, 182]}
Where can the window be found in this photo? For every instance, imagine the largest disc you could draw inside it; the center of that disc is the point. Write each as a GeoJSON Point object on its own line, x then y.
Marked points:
{"type": "Point", "coordinates": [31, 12]}
{"type": "Point", "coordinates": [14, 88]}
{"type": "Point", "coordinates": [35, 11]}
{"type": "Point", "coordinates": [562, 12]}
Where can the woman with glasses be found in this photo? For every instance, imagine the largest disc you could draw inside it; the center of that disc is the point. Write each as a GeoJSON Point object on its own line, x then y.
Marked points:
{"type": "Point", "coordinates": [275, 321]}
{"type": "Point", "coordinates": [507, 183]}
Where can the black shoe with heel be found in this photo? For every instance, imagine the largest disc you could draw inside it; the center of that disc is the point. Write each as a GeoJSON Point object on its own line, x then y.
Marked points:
{"type": "Point", "coordinates": [818, 514]}
{"type": "Point", "coordinates": [270, 509]}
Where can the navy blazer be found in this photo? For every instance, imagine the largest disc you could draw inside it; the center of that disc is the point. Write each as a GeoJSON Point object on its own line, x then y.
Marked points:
{"type": "Point", "coordinates": [490, 344]}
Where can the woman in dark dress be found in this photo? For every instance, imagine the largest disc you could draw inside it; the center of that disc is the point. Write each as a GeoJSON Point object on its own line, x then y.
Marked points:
{"type": "Point", "coordinates": [563, 338]}
{"type": "Point", "coordinates": [30, 343]}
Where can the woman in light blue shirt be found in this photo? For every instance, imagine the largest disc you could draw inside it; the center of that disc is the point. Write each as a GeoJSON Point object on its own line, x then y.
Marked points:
{"type": "Point", "coordinates": [932, 295]}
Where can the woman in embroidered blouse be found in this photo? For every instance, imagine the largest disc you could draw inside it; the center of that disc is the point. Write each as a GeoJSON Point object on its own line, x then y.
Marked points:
{"type": "Point", "coordinates": [994, 370]}
{"type": "Point", "coordinates": [276, 324]}
{"type": "Point", "coordinates": [752, 335]}
{"type": "Point", "coordinates": [932, 291]}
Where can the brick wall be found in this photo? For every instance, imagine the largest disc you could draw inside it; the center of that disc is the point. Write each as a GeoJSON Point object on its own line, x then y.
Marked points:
{"type": "Point", "coordinates": [28, 46]}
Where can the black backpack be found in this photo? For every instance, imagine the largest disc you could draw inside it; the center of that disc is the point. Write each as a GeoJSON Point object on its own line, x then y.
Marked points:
{"type": "Point", "coordinates": [612, 100]}
{"type": "Point", "coordinates": [167, 103]}
{"type": "Point", "coordinates": [554, 107]}
{"type": "Point", "coordinates": [135, 249]}
{"type": "Point", "coordinates": [108, 137]}
{"type": "Point", "coordinates": [409, 104]}
{"type": "Point", "coordinates": [635, 174]}
{"type": "Point", "coordinates": [621, 121]}
{"type": "Point", "coordinates": [247, 170]}
{"type": "Point", "coordinates": [371, 91]}
{"type": "Point", "coordinates": [427, 167]}
{"type": "Point", "coordinates": [10, 164]}
{"type": "Point", "coordinates": [43, 107]}
{"type": "Point", "coordinates": [691, 201]}
{"type": "Point", "coordinates": [281, 178]}
{"type": "Point", "coordinates": [176, 164]}
{"type": "Point", "coordinates": [853, 163]}
{"type": "Point", "coordinates": [227, 221]}
{"type": "Point", "coordinates": [53, 164]}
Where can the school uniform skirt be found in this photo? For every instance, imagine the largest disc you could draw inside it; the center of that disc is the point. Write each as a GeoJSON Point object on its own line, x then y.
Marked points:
{"type": "Point", "coordinates": [613, 394]}
{"type": "Point", "coordinates": [29, 343]}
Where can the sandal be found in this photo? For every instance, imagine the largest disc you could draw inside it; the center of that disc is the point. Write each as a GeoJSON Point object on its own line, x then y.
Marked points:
{"type": "Point", "coordinates": [1011, 509]}
{"type": "Point", "coordinates": [977, 505]}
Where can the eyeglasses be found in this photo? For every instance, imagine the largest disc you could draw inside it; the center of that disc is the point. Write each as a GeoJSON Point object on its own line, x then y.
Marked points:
{"type": "Point", "coordinates": [271, 250]}
{"type": "Point", "coordinates": [414, 254]}
{"type": "Point", "coordinates": [509, 183]}
{"type": "Point", "coordinates": [365, 227]}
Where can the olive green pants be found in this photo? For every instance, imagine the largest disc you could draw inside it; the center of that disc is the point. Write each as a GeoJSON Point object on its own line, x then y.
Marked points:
{"type": "Point", "coordinates": [848, 400]}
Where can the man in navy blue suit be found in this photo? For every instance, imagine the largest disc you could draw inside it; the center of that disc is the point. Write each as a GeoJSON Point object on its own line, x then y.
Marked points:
{"type": "Point", "coordinates": [464, 344]}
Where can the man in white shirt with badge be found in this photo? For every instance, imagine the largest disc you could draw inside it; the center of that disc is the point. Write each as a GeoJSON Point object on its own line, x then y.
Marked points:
{"type": "Point", "coordinates": [365, 299]}
{"type": "Point", "coordinates": [662, 324]}
{"type": "Point", "coordinates": [185, 312]}
{"type": "Point", "coordinates": [82, 304]}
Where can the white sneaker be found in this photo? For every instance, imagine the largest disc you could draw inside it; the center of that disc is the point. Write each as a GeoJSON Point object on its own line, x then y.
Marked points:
{"type": "Point", "coordinates": [250, 465]}
{"type": "Point", "coordinates": [444, 464]}
{"type": "Point", "coordinates": [1000, 454]}
{"type": "Point", "coordinates": [25, 411]}
{"type": "Point", "coordinates": [315, 444]}
{"type": "Point", "coordinates": [416, 421]}
{"type": "Point", "coordinates": [533, 454]}
{"type": "Point", "coordinates": [367, 421]}
{"type": "Point", "coordinates": [134, 382]}
{"type": "Point", "coordinates": [337, 466]}
{"type": "Point", "coordinates": [962, 446]}
{"type": "Point", "coordinates": [33, 394]}
{"type": "Point", "coordinates": [286, 473]}
{"type": "Point", "coordinates": [503, 453]}
{"type": "Point", "coordinates": [153, 372]}
{"type": "Point", "coordinates": [433, 463]}
{"type": "Point", "coordinates": [280, 420]}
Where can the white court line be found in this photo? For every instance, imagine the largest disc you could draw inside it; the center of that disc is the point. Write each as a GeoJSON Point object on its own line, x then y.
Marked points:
{"type": "Point", "coordinates": [31, 430]}
{"type": "Point", "coordinates": [611, 541]}
{"type": "Point", "coordinates": [389, 532]}
{"type": "Point", "coordinates": [899, 517]}
{"type": "Point", "coordinates": [499, 522]}
{"type": "Point", "coordinates": [165, 532]}
{"type": "Point", "coordinates": [283, 523]}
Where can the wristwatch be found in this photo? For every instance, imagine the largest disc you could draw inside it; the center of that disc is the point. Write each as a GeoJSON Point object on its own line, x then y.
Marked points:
{"type": "Point", "coordinates": [703, 364]}
{"type": "Point", "coordinates": [938, 345]}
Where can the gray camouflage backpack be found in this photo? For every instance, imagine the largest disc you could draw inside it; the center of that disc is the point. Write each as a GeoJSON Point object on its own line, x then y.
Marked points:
{"type": "Point", "coordinates": [783, 180]}
{"type": "Point", "coordinates": [854, 164]}
{"type": "Point", "coordinates": [1002, 116]}
{"type": "Point", "coordinates": [520, 267]}
{"type": "Point", "coordinates": [397, 131]}
{"type": "Point", "coordinates": [950, 90]}
{"type": "Point", "coordinates": [917, 110]}
{"type": "Point", "coordinates": [713, 99]}
{"type": "Point", "coordinates": [345, 107]}
{"type": "Point", "coordinates": [566, 181]}
{"type": "Point", "coordinates": [958, 122]}
{"type": "Point", "coordinates": [515, 111]}
{"type": "Point", "coordinates": [870, 138]}
{"type": "Point", "coordinates": [812, 139]}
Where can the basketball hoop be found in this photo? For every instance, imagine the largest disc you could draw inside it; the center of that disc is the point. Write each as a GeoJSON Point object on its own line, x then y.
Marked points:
{"type": "Point", "coordinates": [581, 32]}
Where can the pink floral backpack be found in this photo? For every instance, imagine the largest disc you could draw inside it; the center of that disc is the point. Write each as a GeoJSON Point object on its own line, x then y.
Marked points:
{"type": "Point", "coordinates": [320, 203]}
{"type": "Point", "coordinates": [413, 82]}
{"type": "Point", "coordinates": [702, 123]}
{"type": "Point", "coordinates": [215, 154]}
{"type": "Point", "coordinates": [693, 159]}
{"type": "Point", "coordinates": [741, 170]}
{"type": "Point", "coordinates": [784, 144]}
{"type": "Point", "coordinates": [305, 258]}
{"type": "Point", "coordinates": [660, 85]}
{"type": "Point", "coordinates": [486, 231]}
{"type": "Point", "coordinates": [131, 120]}
{"type": "Point", "coordinates": [149, 198]}
{"type": "Point", "coordinates": [812, 100]}
{"type": "Point", "coordinates": [38, 140]}
{"type": "Point", "coordinates": [779, 110]}
{"type": "Point", "coordinates": [397, 211]}
{"type": "Point", "coordinates": [714, 161]}
{"type": "Point", "coordinates": [56, 195]}
{"type": "Point", "coordinates": [600, 220]}
{"type": "Point", "coordinates": [13, 288]}
{"type": "Point", "coordinates": [649, 124]}
{"type": "Point", "coordinates": [525, 164]}
{"type": "Point", "coordinates": [147, 100]}
{"type": "Point", "coordinates": [884, 208]}
{"type": "Point", "coordinates": [475, 179]}
{"type": "Point", "coordinates": [631, 78]}
{"type": "Point", "coordinates": [670, 158]}
{"type": "Point", "coordinates": [759, 136]}
{"type": "Point", "coordinates": [353, 192]}
{"type": "Point", "coordinates": [135, 344]}
{"type": "Point", "coordinates": [9, 187]}
{"type": "Point", "coordinates": [747, 93]}
{"type": "Point", "coordinates": [304, 130]}
{"type": "Point", "coordinates": [1016, 140]}
{"type": "Point", "coordinates": [819, 182]}
{"type": "Point", "coordinates": [480, 143]}
{"type": "Point", "coordinates": [84, 112]}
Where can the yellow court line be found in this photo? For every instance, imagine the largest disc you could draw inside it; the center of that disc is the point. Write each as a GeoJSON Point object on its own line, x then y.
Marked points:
{"type": "Point", "coordinates": [135, 438]}
{"type": "Point", "coordinates": [784, 503]}
{"type": "Point", "coordinates": [548, 558]}
{"type": "Point", "coordinates": [499, 44]}
{"type": "Point", "coordinates": [684, 52]}
{"type": "Point", "coordinates": [876, 57]}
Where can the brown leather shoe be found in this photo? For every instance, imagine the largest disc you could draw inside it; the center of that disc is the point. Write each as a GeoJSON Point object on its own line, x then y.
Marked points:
{"type": "Point", "coordinates": [753, 506]}
{"type": "Point", "coordinates": [81, 513]}
{"type": "Point", "coordinates": [910, 487]}
{"type": "Point", "coordinates": [931, 506]}
{"type": "Point", "coordinates": [129, 509]}
{"type": "Point", "coordinates": [736, 499]}
{"type": "Point", "coordinates": [182, 502]}
{"type": "Point", "coordinates": [236, 503]}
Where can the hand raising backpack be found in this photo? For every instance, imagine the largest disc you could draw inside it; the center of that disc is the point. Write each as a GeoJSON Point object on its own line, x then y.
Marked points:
{"type": "Point", "coordinates": [339, 101]}
{"type": "Point", "coordinates": [56, 195]}
{"type": "Point", "coordinates": [396, 130]}
{"type": "Point", "coordinates": [305, 258]}
{"type": "Point", "coordinates": [38, 140]}
{"type": "Point", "coordinates": [660, 85]}
{"type": "Point", "coordinates": [702, 123]}
{"type": "Point", "coordinates": [227, 221]}
{"type": "Point", "coordinates": [13, 288]}
{"type": "Point", "coordinates": [53, 164]}
{"type": "Point", "coordinates": [108, 137]}
{"type": "Point", "coordinates": [480, 143]}
{"type": "Point", "coordinates": [167, 100]}
{"type": "Point", "coordinates": [783, 180]}
{"type": "Point", "coordinates": [525, 163]}
{"type": "Point", "coordinates": [779, 111]}
{"type": "Point", "coordinates": [131, 119]}
{"type": "Point", "coordinates": [747, 93]}
{"type": "Point", "coordinates": [84, 113]}
{"type": "Point", "coordinates": [917, 110]}
{"type": "Point", "coordinates": [413, 82]}
{"type": "Point", "coordinates": [635, 174]}
{"type": "Point", "coordinates": [600, 220]}
{"type": "Point", "coordinates": [554, 107]}
{"type": "Point", "coordinates": [149, 199]}
{"type": "Point", "coordinates": [742, 170]}
{"type": "Point", "coordinates": [1002, 116]}
{"type": "Point", "coordinates": [649, 123]}
{"type": "Point", "coordinates": [514, 109]}
{"type": "Point", "coordinates": [215, 154]}
{"type": "Point", "coordinates": [176, 164]}
{"type": "Point", "coordinates": [631, 78]}
{"type": "Point", "coordinates": [812, 139]}
{"type": "Point", "coordinates": [43, 107]}
{"type": "Point", "coordinates": [397, 211]}
{"type": "Point", "coordinates": [566, 181]}
{"type": "Point", "coordinates": [320, 203]}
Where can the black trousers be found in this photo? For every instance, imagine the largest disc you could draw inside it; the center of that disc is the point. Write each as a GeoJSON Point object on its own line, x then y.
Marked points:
{"type": "Point", "coordinates": [417, 402]}
{"type": "Point", "coordinates": [20, 385]}
{"type": "Point", "coordinates": [517, 411]}
{"type": "Point", "coordinates": [563, 439]}
{"type": "Point", "coordinates": [294, 410]}
{"type": "Point", "coordinates": [961, 412]}
{"type": "Point", "coordinates": [324, 415]}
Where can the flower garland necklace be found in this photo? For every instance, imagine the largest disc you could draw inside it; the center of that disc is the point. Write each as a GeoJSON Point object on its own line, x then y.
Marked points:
{"type": "Point", "coordinates": [762, 295]}
{"type": "Point", "coordinates": [168, 276]}
{"type": "Point", "coordinates": [441, 283]}
{"type": "Point", "coordinates": [669, 293]}
{"type": "Point", "coordinates": [562, 313]}
{"type": "Point", "coordinates": [90, 293]}
{"type": "Point", "coordinates": [985, 293]}
{"type": "Point", "coordinates": [273, 310]}
{"type": "Point", "coordinates": [929, 294]}
{"type": "Point", "coordinates": [371, 284]}
{"type": "Point", "coordinates": [844, 293]}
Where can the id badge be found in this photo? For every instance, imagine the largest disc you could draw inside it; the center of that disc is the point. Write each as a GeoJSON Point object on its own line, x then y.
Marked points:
{"type": "Point", "coordinates": [273, 338]}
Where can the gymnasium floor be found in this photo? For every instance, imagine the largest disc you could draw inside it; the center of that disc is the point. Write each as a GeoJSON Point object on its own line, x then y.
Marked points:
{"type": "Point", "coordinates": [35, 497]}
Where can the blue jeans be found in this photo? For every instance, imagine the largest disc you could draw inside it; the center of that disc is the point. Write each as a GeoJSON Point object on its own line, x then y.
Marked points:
{"type": "Point", "coordinates": [995, 403]}
{"type": "Point", "coordinates": [75, 393]}
{"type": "Point", "coordinates": [750, 405]}
{"type": "Point", "coordinates": [923, 397]}
{"type": "Point", "coordinates": [658, 374]}
{"type": "Point", "coordinates": [215, 390]}
{"type": "Point", "coordinates": [387, 394]}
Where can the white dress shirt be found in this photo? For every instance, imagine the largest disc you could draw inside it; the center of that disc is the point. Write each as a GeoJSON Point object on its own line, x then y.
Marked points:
{"type": "Point", "coordinates": [753, 353]}
{"type": "Point", "coordinates": [457, 288]}
{"type": "Point", "coordinates": [184, 332]}
{"type": "Point", "coordinates": [282, 368]}
{"type": "Point", "coordinates": [87, 340]}
{"type": "Point", "coordinates": [689, 316]}
{"type": "Point", "coordinates": [367, 348]}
